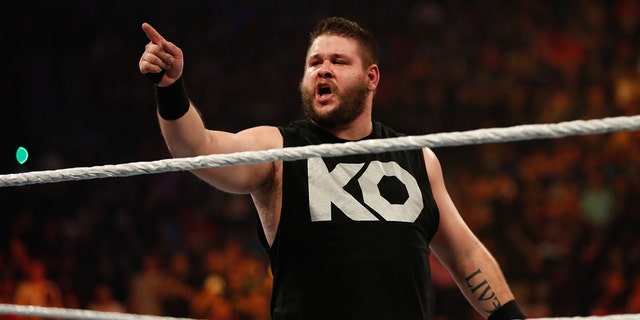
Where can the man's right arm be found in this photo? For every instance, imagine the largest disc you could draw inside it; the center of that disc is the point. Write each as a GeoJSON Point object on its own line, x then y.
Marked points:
{"type": "Point", "coordinates": [184, 131]}
{"type": "Point", "coordinates": [187, 137]}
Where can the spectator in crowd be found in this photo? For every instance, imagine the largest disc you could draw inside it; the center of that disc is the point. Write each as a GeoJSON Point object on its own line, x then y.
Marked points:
{"type": "Point", "coordinates": [36, 288]}
{"type": "Point", "coordinates": [103, 300]}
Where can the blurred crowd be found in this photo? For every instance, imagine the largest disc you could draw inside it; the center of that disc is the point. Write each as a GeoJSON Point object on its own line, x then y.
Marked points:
{"type": "Point", "coordinates": [561, 216]}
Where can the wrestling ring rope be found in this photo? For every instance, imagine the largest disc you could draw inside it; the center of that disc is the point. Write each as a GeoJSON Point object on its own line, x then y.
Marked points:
{"type": "Point", "coordinates": [479, 136]}
{"type": "Point", "coordinates": [63, 313]}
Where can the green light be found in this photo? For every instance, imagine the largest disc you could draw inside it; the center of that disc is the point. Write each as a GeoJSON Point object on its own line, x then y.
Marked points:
{"type": "Point", "coordinates": [22, 155]}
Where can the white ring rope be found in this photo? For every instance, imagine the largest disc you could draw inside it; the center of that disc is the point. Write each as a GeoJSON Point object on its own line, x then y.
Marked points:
{"type": "Point", "coordinates": [65, 313]}
{"type": "Point", "coordinates": [515, 133]}
{"type": "Point", "coordinates": [609, 317]}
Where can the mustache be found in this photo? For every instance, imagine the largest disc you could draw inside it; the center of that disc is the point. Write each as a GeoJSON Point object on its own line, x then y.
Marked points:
{"type": "Point", "coordinates": [317, 84]}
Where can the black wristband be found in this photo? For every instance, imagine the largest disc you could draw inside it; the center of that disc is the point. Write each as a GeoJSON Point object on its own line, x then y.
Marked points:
{"type": "Point", "coordinates": [155, 77]}
{"type": "Point", "coordinates": [508, 311]}
{"type": "Point", "coordinates": [173, 101]}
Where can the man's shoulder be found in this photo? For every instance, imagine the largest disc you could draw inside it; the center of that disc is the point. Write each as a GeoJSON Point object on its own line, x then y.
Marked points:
{"type": "Point", "coordinates": [381, 130]}
{"type": "Point", "coordinates": [302, 127]}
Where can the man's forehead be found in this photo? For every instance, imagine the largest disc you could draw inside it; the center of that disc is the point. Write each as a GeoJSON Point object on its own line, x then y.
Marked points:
{"type": "Point", "coordinates": [333, 45]}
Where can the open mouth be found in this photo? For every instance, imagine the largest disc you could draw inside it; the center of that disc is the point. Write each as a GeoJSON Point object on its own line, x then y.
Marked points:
{"type": "Point", "coordinates": [324, 92]}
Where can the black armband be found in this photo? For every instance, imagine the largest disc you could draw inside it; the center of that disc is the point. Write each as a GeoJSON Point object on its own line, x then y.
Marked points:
{"type": "Point", "coordinates": [508, 311]}
{"type": "Point", "coordinates": [173, 101]}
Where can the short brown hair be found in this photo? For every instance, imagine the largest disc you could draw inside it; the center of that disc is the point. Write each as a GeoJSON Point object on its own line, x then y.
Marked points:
{"type": "Point", "coordinates": [342, 27]}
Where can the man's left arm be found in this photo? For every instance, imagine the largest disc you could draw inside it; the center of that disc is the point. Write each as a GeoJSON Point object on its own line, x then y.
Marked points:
{"type": "Point", "coordinates": [471, 265]}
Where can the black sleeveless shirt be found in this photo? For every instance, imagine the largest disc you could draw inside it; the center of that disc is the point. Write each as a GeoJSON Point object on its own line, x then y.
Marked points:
{"type": "Point", "coordinates": [354, 233]}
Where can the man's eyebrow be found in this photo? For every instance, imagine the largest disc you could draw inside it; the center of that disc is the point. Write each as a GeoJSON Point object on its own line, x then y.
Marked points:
{"type": "Point", "coordinates": [331, 56]}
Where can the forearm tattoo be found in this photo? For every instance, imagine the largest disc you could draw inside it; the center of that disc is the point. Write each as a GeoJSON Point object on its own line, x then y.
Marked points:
{"type": "Point", "coordinates": [482, 290]}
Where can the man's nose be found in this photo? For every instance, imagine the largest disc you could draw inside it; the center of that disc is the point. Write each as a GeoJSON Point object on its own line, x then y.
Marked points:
{"type": "Point", "coordinates": [325, 70]}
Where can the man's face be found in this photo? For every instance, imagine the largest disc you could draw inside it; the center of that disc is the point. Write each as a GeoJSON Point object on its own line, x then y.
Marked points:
{"type": "Point", "coordinates": [334, 87]}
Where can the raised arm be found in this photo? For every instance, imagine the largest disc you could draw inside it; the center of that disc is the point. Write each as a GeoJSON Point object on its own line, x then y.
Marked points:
{"type": "Point", "coordinates": [471, 265]}
{"type": "Point", "coordinates": [184, 131]}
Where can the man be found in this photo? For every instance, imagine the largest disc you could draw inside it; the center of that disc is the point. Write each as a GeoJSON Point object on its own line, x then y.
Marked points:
{"type": "Point", "coordinates": [348, 237]}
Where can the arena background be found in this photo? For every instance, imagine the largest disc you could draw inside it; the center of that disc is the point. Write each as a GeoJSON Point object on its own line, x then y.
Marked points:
{"type": "Point", "coordinates": [561, 216]}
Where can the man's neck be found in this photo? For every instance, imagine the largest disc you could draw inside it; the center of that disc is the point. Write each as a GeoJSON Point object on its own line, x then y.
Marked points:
{"type": "Point", "coordinates": [356, 130]}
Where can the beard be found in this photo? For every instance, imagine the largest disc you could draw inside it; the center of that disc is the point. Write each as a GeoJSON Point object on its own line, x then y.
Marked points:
{"type": "Point", "coordinates": [351, 106]}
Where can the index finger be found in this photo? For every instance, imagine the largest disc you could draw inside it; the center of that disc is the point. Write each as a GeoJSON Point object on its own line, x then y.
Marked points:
{"type": "Point", "coordinates": [151, 33]}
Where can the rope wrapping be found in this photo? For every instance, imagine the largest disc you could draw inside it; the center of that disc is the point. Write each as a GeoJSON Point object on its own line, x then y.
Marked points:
{"type": "Point", "coordinates": [479, 136]}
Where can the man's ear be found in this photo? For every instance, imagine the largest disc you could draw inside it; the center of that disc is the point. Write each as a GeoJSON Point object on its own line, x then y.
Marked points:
{"type": "Point", "coordinates": [373, 77]}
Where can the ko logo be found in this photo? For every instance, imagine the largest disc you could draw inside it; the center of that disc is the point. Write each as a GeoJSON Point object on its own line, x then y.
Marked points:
{"type": "Point", "coordinates": [327, 188]}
